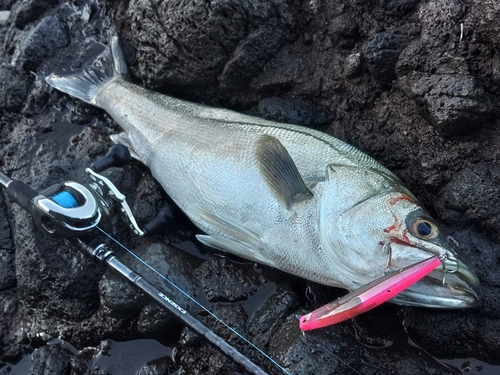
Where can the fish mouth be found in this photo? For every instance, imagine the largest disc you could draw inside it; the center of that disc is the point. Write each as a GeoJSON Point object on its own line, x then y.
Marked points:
{"type": "Point", "coordinates": [451, 286]}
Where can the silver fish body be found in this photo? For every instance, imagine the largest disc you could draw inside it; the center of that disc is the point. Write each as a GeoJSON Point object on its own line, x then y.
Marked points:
{"type": "Point", "coordinates": [282, 195]}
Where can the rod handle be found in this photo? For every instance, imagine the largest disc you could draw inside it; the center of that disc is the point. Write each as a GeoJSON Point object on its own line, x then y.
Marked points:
{"type": "Point", "coordinates": [22, 194]}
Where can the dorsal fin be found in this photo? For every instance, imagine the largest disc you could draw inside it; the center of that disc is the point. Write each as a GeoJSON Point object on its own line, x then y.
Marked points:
{"type": "Point", "coordinates": [280, 172]}
{"type": "Point", "coordinates": [118, 58]}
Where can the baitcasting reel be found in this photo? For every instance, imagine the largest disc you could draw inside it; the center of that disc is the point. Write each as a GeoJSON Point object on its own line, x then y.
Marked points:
{"type": "Point", "coordinates": [71, 209]}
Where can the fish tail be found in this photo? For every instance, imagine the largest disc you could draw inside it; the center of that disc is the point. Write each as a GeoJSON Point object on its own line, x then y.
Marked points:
{"type": "Point", "coordinates": [85, 84]}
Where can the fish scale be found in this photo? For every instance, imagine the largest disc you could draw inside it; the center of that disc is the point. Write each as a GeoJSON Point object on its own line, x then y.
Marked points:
{"type": "Point", "coordinates": [283, 195]}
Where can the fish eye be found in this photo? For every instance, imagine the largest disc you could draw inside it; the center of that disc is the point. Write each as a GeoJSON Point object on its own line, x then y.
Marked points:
{"type": "Point", "coordinates": [425, 229]}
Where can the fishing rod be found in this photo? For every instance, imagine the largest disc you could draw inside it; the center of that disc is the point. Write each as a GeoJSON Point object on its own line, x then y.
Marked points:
{"type": "Point", "coordinates": [75, 211]}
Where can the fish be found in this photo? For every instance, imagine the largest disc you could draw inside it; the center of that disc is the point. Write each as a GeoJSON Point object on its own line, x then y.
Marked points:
{"type": "Point", "coordinates": [286, 196]}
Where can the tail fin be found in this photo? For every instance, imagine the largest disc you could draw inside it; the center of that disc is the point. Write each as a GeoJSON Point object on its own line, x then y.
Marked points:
{"type": "Point", "coordinates": [85, 84]}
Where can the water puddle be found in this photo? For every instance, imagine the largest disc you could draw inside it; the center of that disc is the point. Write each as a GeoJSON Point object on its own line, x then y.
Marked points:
{"type": "Point", "coordinates": [124, 358]}
{"type": "Point", "coordinates": [471, 366]}
{"type": "Point", "coordinates": [20, 368]}
{"type": "Point", "coordinates": [467, 366]}
{"type": "Point", "coordinates": [128, 357]}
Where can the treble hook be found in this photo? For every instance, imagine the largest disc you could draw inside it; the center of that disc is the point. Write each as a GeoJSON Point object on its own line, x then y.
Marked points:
{"type": "Point", "coordinates": [448, 264]}
{"type": "Point", "coordinates": [445, 260]}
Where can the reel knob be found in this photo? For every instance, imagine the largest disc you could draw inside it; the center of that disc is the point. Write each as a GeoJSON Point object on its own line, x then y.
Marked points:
{"type": "Point", "coordinates": [117, 156]}
{"type": "Point", "coordinates": [165, 218]}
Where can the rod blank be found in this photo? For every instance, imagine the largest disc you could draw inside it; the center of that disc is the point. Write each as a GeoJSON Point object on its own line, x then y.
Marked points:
{"type": "Point", "coordinates": [104, 254]}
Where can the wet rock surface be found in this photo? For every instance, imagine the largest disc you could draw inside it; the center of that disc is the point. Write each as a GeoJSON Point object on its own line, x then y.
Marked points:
{"type": "Point", "coordinates": [294, 111]}
{"type": "Point", "coordinates": [50, 359]}
{"type": "Point", "coordinates": [414, 84]}
{"type": "Point", "coordinates": [7, 250]}
{"type": "Point", "coordinates": [205, 44]}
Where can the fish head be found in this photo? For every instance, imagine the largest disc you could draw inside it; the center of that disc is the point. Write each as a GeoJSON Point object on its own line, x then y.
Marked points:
{"type": "Point", "coordinates": [370, 224]}
{"type": "Point", "coordinates": [452, 285]}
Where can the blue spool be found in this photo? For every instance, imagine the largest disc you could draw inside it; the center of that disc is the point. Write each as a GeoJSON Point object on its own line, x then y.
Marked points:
{"type": "Point", "coordinates": [65, 199]}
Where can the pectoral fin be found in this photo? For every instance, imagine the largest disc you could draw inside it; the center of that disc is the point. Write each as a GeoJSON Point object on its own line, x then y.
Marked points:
{"type": "Point", "coordinates": [280, 172]}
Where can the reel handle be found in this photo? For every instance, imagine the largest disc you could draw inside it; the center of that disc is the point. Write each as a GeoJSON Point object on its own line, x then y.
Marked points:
{"type": "Point", "coordinates": [165, 218]}
{"type": "Point", "coordinates": [117, 156]}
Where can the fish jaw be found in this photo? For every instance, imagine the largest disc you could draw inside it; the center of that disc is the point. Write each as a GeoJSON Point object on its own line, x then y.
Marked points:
{"type": "Point", "coordinates": [454, 293]}
{"type": "Point", "coordinates": [453, 285]}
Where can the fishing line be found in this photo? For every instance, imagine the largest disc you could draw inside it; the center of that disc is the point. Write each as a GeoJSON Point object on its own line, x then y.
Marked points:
{"type": "Point", "coordinates": [268, 357]}
{"type": "Point", "coordinates": [335, 355]}
{"type": "Point", "coordinates": [448, 366]}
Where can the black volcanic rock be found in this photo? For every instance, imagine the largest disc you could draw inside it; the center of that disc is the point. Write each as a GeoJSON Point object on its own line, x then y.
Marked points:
{"type": "Point", "coordinates": [415, 84]}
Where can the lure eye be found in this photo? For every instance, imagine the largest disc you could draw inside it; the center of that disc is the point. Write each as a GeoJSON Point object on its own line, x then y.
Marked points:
{"type": "Point", "coordinates": [425, 229]}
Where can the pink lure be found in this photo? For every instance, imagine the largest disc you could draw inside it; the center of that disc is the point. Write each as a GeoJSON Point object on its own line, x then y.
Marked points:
{"type": "Point", "coordinates": [368, 296]}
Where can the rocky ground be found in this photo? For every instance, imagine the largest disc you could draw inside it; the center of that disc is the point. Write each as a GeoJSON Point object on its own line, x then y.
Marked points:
{"type": "Point", "coordinates": [415, 84]}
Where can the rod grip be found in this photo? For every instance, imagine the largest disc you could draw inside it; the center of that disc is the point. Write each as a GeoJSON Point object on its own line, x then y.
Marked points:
{"type": "Point", "coordinates": [22, 194]}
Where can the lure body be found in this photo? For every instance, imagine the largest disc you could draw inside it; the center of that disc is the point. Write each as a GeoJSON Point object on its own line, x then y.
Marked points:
{"type": "Point", "coordinates": [368, 296]}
